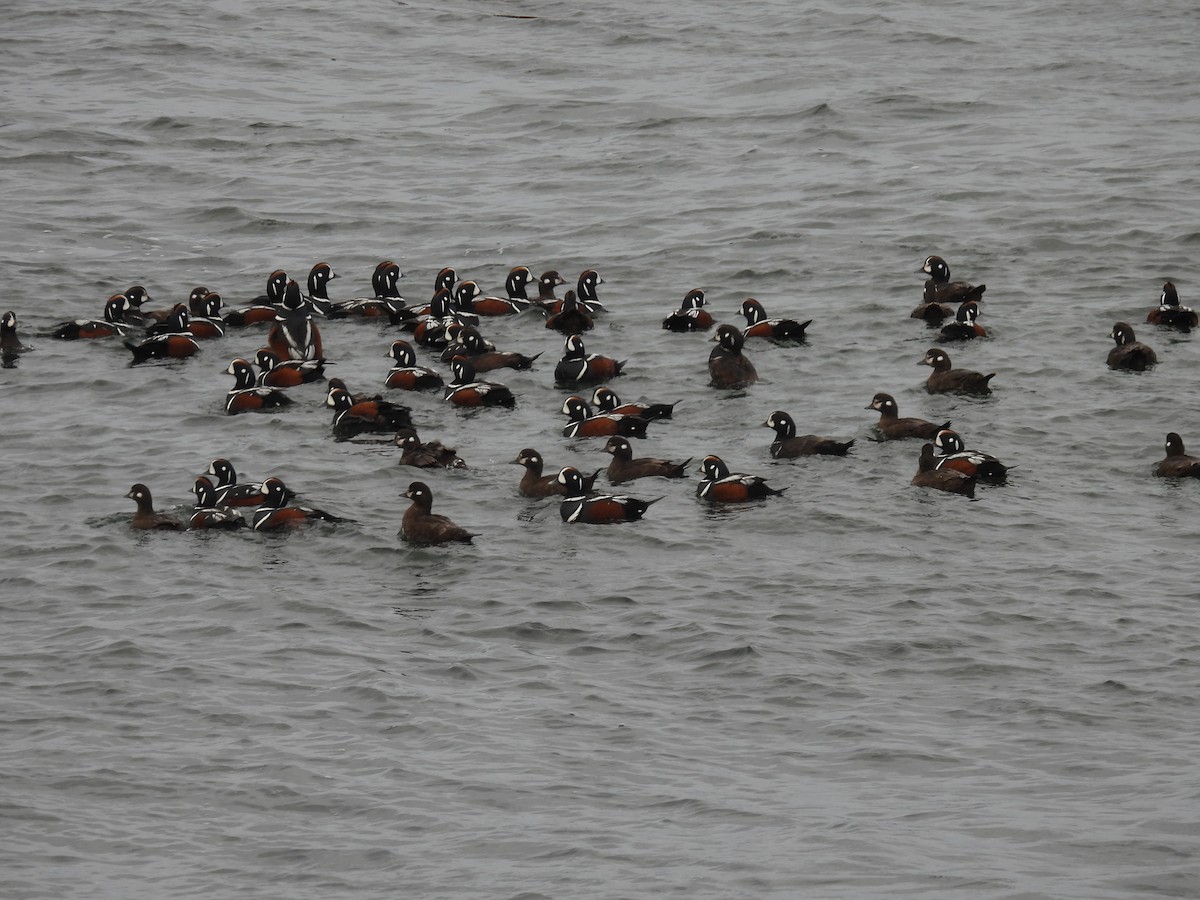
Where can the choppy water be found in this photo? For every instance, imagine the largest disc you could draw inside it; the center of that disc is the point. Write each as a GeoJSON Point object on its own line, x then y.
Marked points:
{"type": "Point", "coordinates": [856, 690]}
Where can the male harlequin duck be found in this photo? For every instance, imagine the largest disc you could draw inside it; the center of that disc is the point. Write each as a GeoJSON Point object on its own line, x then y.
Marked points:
{"type": "Point", "coordinates": [204, 320]}
{"type": "Point", "coordinates": [625, 468]}
{"type": "Point", "coordinates": [433, 328]}
{"type": "Point", "coordinates": [719, 485]}
{"type": "Point", "coordinates": [728, 367]}
{"type": "Point", "coordinates": [577, 366]}
{"type": "Point", "coordinates": [788, 444]}
{"type": "Point", "coordinates": [293, 334]}
{"type": "Point", "coordinates": [429, 455]}
{"type": "Point", "coordinates": [275, 515]}
{"type": "Point", "coordinates": [585, 292]}
{"type": "Point", "coordinates": [940, 289]}
{"type": "Point", "coordinates": [964, 327]}
{"type": "Point", "coordinates": [10, 343]}
{"type": "Point", "coordinates": [691, 315]}
{"type": "Point", "coordinates": [597, 509]}
{"type": "Point", "coordinates": [208, 514]}
{"type": "Point", "coordinates": [113, 323]}
{"type": "Point", "coordinates": [517, 300]}
{"type": "Point", "coordinates": [1130, 353]}
{"type": "Point", "coordinates": [465, 390]}
{"type": "Point", "coordinates": [570, 318]}
{"type": "Point", "coordinates": [145, 517]}
{"type": "Point", "coordinates": [137, 295]}
{"type": "Point", "coordinates": [484, 358]}
{"type": "Point", "coordinates": [946, 479]}
{"type": "Point", "coordinates": [1169, 312]}
{"type": "Point", "coordinates": [421, 526]}
{"type": "Point", "coordinates": [1177, 463]}
{"type": "Point", "coordinates": [175, 343]}
{"type": "Point", "coordinates": [535, 484]}
{"type": "Point", "coordinates": [944, 379]}
{"type": "Point", "coordinates": [371, 415]}
{"type": "Point", "coordinates": [278, 372]}
{"type": "Point", "coordinates": [317, 299]}
{"type": "Point", "coordinates": [245, 396]}
{"type": "Point", "coordinates": [607, 401]}
{"type": "Point", "coordinates": [759, 326]}
{"type": "Point", "coordinates": [457, 333]}
{"type": "Point", "coordinates": [195, 301]}
{"type": "Point", "coordinates": [264, 307]}
{"type": "Point", "coordinates": [385, 303]}
{"type": "Point", "coordinates": [951, 453]}
{"type": "Point", "coordinates": [584, 424]}
{"type": "Point", "coordinates": [231, 493]}
{"type": "Point", "coordinates": [547, 300]}
{"type": "Point", "coordinates": [406, 374]}
{"type": "Point", "coordinates": [892, 427]}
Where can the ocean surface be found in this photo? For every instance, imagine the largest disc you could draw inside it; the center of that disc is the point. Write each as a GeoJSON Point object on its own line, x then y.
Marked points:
{"type": "Point", "coordinates": [859, 689]}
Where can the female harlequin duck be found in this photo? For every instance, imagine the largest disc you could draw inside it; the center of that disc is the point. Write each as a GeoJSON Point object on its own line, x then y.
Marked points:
{"type": "Point", "coordinates": [245, 396]}
{"type": "Point", "coordinates": [535, 484]}
{"type": "Point", "coordinates": [231, 493]}
{"type": "Point", "coordinates": [429, 455]}
{"type": "Point", "coordinates": [515, 286]}
{"type": "Point", "coordinates": [584, 424]}
{"type": "Point", "coordinates": [940, 289]}
{"type": "Point", "coordinates": [691, 315]}
{"type": "Point", "coordinates": [113, 323]}
{"type": "Point", "coordinates": [788, 444]}
{"type": "Point", "coordinates": [951, 453]}
{"type": "Point", "coordinates": [727, 365]}
{"type": "Point", "coordinates": [464, 390]}
{"type": "Point", "coordinates": [276, 515]}
{"type": "Point", "coordinates": [293, 334]}
{"type": "Point", "coordinates": [964, 327]}
{"type": "Point", "coordinates": [173, 341]}
{"type": "Point", "coordinates": [570, 318]}
{"type": "Point", "coordinates": [406, 374]}
{"type": "Point", "coordinates": [719, 485]}
{"type": "Point", "coordinates": [264, 307]}
{"type": "Point", "coordinates": [1177, 463]}
{"type": "Point", "coordinates": [892, 427]}
{"type": "Point", "coordinates": [278, 372]}
{"type": "Point", "coordinates": [1130, 353]}
{"type": "Point", "coordinates": [598, 509]}
{"type": "Point", "coordinates": [10, 343]}
{"type": "Point", "coordinates": [577, 366]}
{"type": "Point", "coordinates": [486, 358]}
{"type": "Point", "coordinates": [371, 415]}
{"type": "Point", "coordinates": [625, 468]}
{"type": "Point", "coordinates": [421, 526]}
{"type": "Point", "coordinates": [1169, 312]}
{"type": "Point", "coordinates": [145, 517]}
{"type": "Point", "coordinates": [759, 326]}
{"type": "Point", "coordinates": [947, 479]}
{"type": "Point", "coordinates": [208, 513]}
{"type": "Point", "coordinates": [944, 379]}
{"type": "Point", "coordinates": [607, 401]}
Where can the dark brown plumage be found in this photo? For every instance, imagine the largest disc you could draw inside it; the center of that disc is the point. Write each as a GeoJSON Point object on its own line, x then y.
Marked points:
{"type": "Point", "coordinates": [625, 468]}
{"type": "Point", "coordinates": [952, 480]}
{"type": "Point", "coordinates": [728, 367]}
{"type": "Point", "coordinates": [146, 518]}
{"type": "Point", "coordinates": [892, 427]}
{"type": "Point", "coordinates": [1177, 463]}
{"type": "Point", "coordinates": [427, 455]}
{"type": "Point", "coordinates": [421, 526]}
{"type": "Point", "coordinates": [1130, 353]}
{"type": "Point", "coordinates": [945, 379]}
{"type": "Point", "coordinates": [788, 444]}
{"type": "Point", "coordinates": [535, 484]}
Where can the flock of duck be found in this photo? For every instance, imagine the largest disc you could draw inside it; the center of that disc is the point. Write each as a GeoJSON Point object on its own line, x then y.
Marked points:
{"type": "Point", "coordinates": [448, 327]}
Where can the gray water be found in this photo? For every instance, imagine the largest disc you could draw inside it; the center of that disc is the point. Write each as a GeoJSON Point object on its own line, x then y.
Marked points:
{"type": "Point", "coordinates": [859, 689]}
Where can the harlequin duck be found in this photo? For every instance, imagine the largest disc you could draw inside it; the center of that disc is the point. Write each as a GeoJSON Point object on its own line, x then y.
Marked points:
{"type": "Point", "coordinates": [464, 390]}
{"type": "Point", "coordinates": [173, 344]}
{"type": "Point", "coordinates": [944, 379]}
{"type": "Point", "coordinates": [278, 372]}
{"type": "Point", "coordinates": [484, 359]}
{"type": "Point", "coordinates": [940, 289]}
{"type": "Point", "coordinates": [788, 444]}
{"type": "Point", "coordinates": [547, 300]}
{"type": "Point", "coordinates": [275, 515]}
{"type": "Point", "coordinates": [137, 295]}
{"type": "Point", "coordinates": [1130, 353]}
{"type": "Point", "coordinates": [113, 323]}
{"type": "Point", "coordinates": [1169, 312]}
{"type": "Point", "coordinates": [230, 493]}
{"type": "Point", "coordinates": [264, 307]}
{"type": "Point", "coordinates": [10, 343]}
{"type": "Point", "coordinates": [585, 292]}
{"type": "Point", "coordinates": [691, 315]}
{"type": "Point", "coordinates": [727, 365]}
{"type": "Point", "coordinates": [208, 514]}
{"type": "Point", "coordinates": [535, 484]}
{"type": "Point", "coordinates": [570, 318]}
{"type": "Point", "coordinates": [515, 286]}
{"type": "Point", "coordinates": [421, 526]}
{"type": "Point", "coordinates": [597, 509]}
{"type": "Point", "coordinates": [386, 303]}
{"type": "Point", "coordinates": [719, 485]}
{"type": "Point", "coordinates": [428, 455]}
{"type": "Point", "coordinates": [607, 401]}
{"type": "Point", "coordinates": [951, 453]}
{"type": "Point", "coordinates": [1177, 463]}
{"type": "Point", "coordinates": [351, 418]}
{"type": "Point", "coordinates": [317, 299]}
{"type": "Point", "coordinates": [293, 334]}
{"type": "Point", "coordinates": [892, 427]}
{"type": "Point", "coordinates": [964, 327]}
{"type": "Point", "coordinates": [584, 424]}
{"type": "Point", "coordinates": [625, 468]}
{"type": "Point", "coordinates": [245, 396]}
{"type": "Point", "coordinates": [145, 517]}
{"type": "Point", "coordinates": [431, 329]}
{"type": "Point", "coordinates": [195, 301]}
{"type": "Point", "coordinates": [577, 366]}
{"type": "Point", "coordinates": [759, 326]}
{"type": "Point", "coordinates": [406, 374]}
{"type": "Point", "coordinates": [932, 313]}
{"type": "Point", "coordinates": [457, 333]}
{"type": "Point", "coordinates": [205, 322]}
{"type": "Point", "coordinates": [947, 479]}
